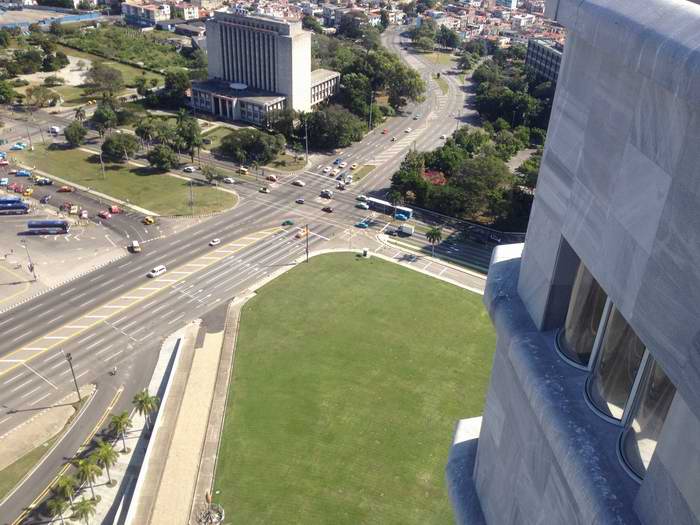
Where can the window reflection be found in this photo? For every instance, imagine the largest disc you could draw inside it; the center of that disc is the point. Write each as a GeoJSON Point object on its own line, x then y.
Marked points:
{"type": "Point", "coordinates": [654, 399]}
{"type": "Point", "coordinates": [583, 317]}
{"type": "Point", "coordinates": [621, 354]}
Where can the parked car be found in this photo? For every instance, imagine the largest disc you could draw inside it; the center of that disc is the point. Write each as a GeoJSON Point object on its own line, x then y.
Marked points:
{"type": "Point", "coordinates": [327, 169]}
{"type": "Point", "coordinates": [443, 136]}
{"type": "Point", "coordinates": [300, 200]}
{"type": "Point", "coordinates": [28, 192]}
{"type": "Point", "coordinates": [299, 183]}
{"type": "Point", "coordinates": [189, 169]}
{"type": "Point", "coordinates": [54, 130]}
{"type": "Point", "coordinates": [288, 222]}
{"type": "Point", "coordinates": [361, 225]}
{"type": "Point", "coordinates": [337, 161]}
{"type": "Point", "coordinates": [4, 162]}
{"type": "Point", "coordinates": [353, 167]}
{"type": "Point", "coordinates": [23, 173]}
{"type": "Point", "coordinates": [361, 198]}
{"type": "Point", "coordinates": [43, 181]}
{"type": "Point", "coordinates": [104, 214]}
{"type": "Point", "coordinates": [385, 131]}
{"type": "Point", "coordinates": [83, 214]}
{"type": "Point", "coordinates": [362, 205]}
{"type": "Point", "coordinates": [148, 220]}
{"type": "Point", "coordinates": [407, 130]}
{"type": "Point", "coordinates": [393, 139]}
{"type": "Point", "coordinates": [206, 141]}
{"type": "Point", "coordinates": [65, 189]}
{"type": "Point", "coordinates": [67, 205]}
{"type": "Point", "coordinates": [343, 164]}
{"type": "Point", "coordinates": [114, 210]}
{"type": "Point", "coordinates": [264, 189]}
{"type": "Point", "coordinates": [4, 181]}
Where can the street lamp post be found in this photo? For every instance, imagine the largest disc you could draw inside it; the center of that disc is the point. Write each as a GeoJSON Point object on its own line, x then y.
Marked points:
{"type": "Point", "coordinates": [29, 259]}
{"type": "Point", "coordinates": [69, 358]}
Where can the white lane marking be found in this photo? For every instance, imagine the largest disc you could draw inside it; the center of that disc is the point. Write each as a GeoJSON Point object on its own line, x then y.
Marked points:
{"type": "Point", "coordinates": [95, 316]}
{"type": "Point", "coordinates": [50, 357]}
{"type": "Point", "coordinates": [130, 324]}
{"type": "Point", "coordinates": [125, 264]}
{"type": "Point", "coordinates": [56, 318]}
{"type": "Point", "coordinates": [40, 399]}
{"type": "Point", "coordinates": [20, 336]}
{"type": "Point", "coordinates": [112, 356]}
{"type": "Point", "coordinates": [76, 326]}
{"type": "Point", "coordinates": [104, 350]}
{"type": "Point", "coordinates": [31, 392]}
{"type": "Point", "coordinates": [113, 306]}
{"type": "Point", "coordinates": [81, 295]}
{"type": "Point", "coordinates": [15, 378]}
{"type": "Point", "coordinates": [81, 375]}
{"type": "Point", "coordinates": [176, 319]}
{"type": "Point", "coordinates": [59, 337]}
{"type": "Point", "coordinates": [42, 377]}
{"type": "Point", "coordinates": [3, 420]}
{"type": "Point", "coordinates": [33, 307]}
{"type": "Point", "coordinates": [94, 344]}
{"type": "Point", "coordinates": [54, 367]}
{"type": "Point", "coordinates": [131, 297]}
{"type": "Point", "coordinates": [66, 292]}
{"type": "Point", "coordinates": [21, 385]}
{"type": "Point", "coordinates": [89, 336]}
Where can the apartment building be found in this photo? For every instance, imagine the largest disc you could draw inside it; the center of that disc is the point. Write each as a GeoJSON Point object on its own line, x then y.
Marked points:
{"type": "Point", "coordinates": [145, 14]}
{"type": "Point", "coordinates": [185, 11]}
{"type": "Point", "coordinates": [593, 408]}
{"type": "Point", "coordinates": [544, 57]}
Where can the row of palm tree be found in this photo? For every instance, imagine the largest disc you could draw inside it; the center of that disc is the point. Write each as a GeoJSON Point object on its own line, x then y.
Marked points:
{"type": "Point", "coordinates": [102, 458]}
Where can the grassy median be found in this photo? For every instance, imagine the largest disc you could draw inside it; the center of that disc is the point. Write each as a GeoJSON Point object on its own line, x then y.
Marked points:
{"type": "Point", "coordinates": [350, 375]}
{"type": "Point", "coordinates": [142, 187]}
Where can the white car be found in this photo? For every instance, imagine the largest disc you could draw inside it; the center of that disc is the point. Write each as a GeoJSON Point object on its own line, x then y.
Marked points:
{"type": "Point", "coordinates": [343, 164]}
{"type": "Point", "coordinates": [361, 198]}
{"type": "Point", "coordinates": [327, 169]}
{"type": "Point", "coordinates": [54, 130]}
{"type": "Point", "coordinates": [189, 169]}
{"type": "Point", "coordinates": [407, 130]}
{"type": "Point", "coordinates": [228, 180]}
{"type": "Point", "coordinates": [214, 242]}
{"type": "Point", "coordinates": [299, 183]}
{"type": "Point", "coordinates": [158, 270]}
{"type": "Point", "coordinates": [443, 137]}
{"type": "Point", "coordinates": [362, 205]}
{"type": "Point", "coordinates": [353, 167]}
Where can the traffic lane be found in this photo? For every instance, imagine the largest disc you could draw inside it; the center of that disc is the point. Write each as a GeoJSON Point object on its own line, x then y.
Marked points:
{"type": "Point", "coordinates": [85, 293]}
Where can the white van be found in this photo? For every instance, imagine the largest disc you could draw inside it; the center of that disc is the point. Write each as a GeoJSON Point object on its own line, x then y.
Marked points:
{"type": "Point", "coordinates": [134, 246]}
{"type": "Point", "coordinates": [54, 130]}
{"type": "Point", "coordinates": [157, 271]}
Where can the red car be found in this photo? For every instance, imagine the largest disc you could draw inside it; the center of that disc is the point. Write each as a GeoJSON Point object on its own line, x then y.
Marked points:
{"type": "Point", "coordinates": [19, 188]}
{"type": "Point", "coordinates": [4, 162]}
{"type": "Point", "coordinates": [385, 131]}
{"type": "Point", "coordinates": [65, 189]}
{"type": "Point", "coordinates": [12, 186]}
{"type": "Point", "coordinates": [114, 209]}
{"type": "Point", "coordinates": [104, 215]}
{"type": "Point", "coordinates": [66, 206]}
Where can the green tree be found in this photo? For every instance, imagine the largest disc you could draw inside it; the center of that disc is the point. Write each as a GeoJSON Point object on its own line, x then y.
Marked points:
{"type": "Point", "coordinates": [191, 135]}
{"type": "Point", "coordinates": [79, 114]}
{"type": "Point", "coordinates": [75, 133]}
{"type": "Point", "coordinates": [310, 23]}
{"type": "Point", "coordinates": [384, 19]}
{"type": "Point", "coordinates": [211, 174]}
{"type": "Point", "coordinates": [177, 82]}
{"type": "Point", "coordinates": [447, 37]}
{"type": "Point", "coordinates": [354, 94]}
{"type": "Point", "coordinates": [65, 487]}
{"type": "Point", "coordinates": [485, 181]}
{"type": "Point", "coordinates": [434, 236]}
{"type": "Point", "coordinates": [529, 170]}
{"type": "Point", "coordinates": [5, 38]}
{"type": "Point", "coordinates": [105, 456]}
{"type": "Point", "coordinates": [250, 145]}
{"type": "Point", "coordinates": [145, 403]}
{"type": "Point", "coordinates": [84, 510]}
{"type": "Point", "coordinates": [120, 424]}
{"type": "Point", "coordinates": [424, 43]}
{"type": "Point", "coordinates": [57, 506]}
{"type": "Point", "coordinates": [104, 118]}
{"type": "Point", "coordinates": [334, 127]}
{"type": "Point", "coordinates": [38, 96]}
{"type": "Point", "coordinates": [162, 158]}
{"type": "Point", "coordinates": [87, 471]}
{"type": "Point", "coordinates": [7, 93]}
{"type": "Point", "coordinates": [146, 130]}
{"type": "Point", "coordinates": [120, 146]}
{"type": "Point", "coordinates": [104, 79]}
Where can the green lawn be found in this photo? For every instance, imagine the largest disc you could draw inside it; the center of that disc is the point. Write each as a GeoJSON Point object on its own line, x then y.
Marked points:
{"type": "Point", "coordinates": [442, 83]}
{"type": "Point", "coordinates": [361, 172]}
{"type": "Point", "coordinates": [350, 375]}
{"type": "Point", "coordinates": [215, 135]}
{"type": "Point", "coordinates": [285, 162]}
{"type": "Point", "coordinates": [159, 193]}
{"type": "Point", "coordinates": [11, 475]}
{"type": "Point", "coordinates": [441, 58]}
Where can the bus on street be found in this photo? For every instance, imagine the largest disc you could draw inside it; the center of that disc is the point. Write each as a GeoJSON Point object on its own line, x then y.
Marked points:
{"type": "Point", "coordinates": [48, 227]}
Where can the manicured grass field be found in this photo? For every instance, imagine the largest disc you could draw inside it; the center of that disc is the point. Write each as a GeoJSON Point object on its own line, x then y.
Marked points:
{"type": "Point", "coordinates": [362, 172]}
{"type": "Point", "coordinates": [159, 193]}
{"type": "Point", "coordinates": [350, 375]}
{"type": "Point", "coordinates": [285, 162]}
{"type": "Point", "coordinates": [11, 475]}
{"type": "Point", "coordinates": [441, 58]}
{"type": "Point", "coordinates": [215, 135]}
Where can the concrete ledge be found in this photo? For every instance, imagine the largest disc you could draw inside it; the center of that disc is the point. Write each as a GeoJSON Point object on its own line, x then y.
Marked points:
{"type": "Point", "coordinates": [459, 473]}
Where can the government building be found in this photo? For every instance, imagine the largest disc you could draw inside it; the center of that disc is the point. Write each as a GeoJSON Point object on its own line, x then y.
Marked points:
{"type": "Point", "coordinates": [593, 410]}
{"type": "Point", "coordinates": [259, 64]}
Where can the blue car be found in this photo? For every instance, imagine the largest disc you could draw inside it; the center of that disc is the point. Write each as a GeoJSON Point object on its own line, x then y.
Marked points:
{"type": "Point", "coordinates": [362, 225]}
{"type": "Point", "coordinates": [400, 217]}
{"type": "Point", "coordinates": [3, 155]}
{"type": "Point", "coordinates": [24, 173]}
{"type": "Point", "coordinates": [337, 161]}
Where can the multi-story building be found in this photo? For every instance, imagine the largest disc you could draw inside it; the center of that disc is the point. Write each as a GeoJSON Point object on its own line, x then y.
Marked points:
{"type": "Point", "coordinates": [185, 11]}
{"type": "Point", "coordinates": [508, 4]}
{"type": "Point", "coordinates": [544, 57]}
{"type": "Point", "coordinates": [259, 64]}
{"type": "Point", "coordinates": [593, 410]}
{"type": "Point", "coordinates": [139, 14]}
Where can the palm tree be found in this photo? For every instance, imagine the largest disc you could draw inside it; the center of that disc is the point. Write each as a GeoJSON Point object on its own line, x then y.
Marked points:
{"type": "Point", "coordinates": [88, 472]}
{"type": "Point", "coordinates": [105, 456]}
{"type": "Point", "coordinates": [181, 117]}
{"type": "Point", "coordinates": [119, 424]}
{"type": "Point", "coordinates": [84, 510]}
{"type": "Point", "coordinates": [434, 236]}
{"type": "Point", "coordinates": [57, 506]}
{"type": "Point", "coordinates": [65, 487]}
{"type": "Point", "coordinates": [146, 404]}
{"type": "Point", "coordinates": [80, 114]}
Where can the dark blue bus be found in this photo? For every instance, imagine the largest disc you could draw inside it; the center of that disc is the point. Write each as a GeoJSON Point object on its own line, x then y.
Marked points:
{"type": "Point", "coordinates": [48, 227]}
{"type": "Point", "coordinates": [18, 207]}
{"type": "Point", "coordinates": [7, 200]}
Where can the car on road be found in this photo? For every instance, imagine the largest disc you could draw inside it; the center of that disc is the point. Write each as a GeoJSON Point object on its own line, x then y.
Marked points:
{"type": "Point", "coordinates": [299, 183]}
{"type": "Point", "coordinates": [361, 198]}
{"type": "Point", "coordinates": [114, 210]}
{"type": "Point", "coordinates": [362, 225]}
{"type": "Point", "coordinates": [67, 205]}
{"type": "Point", "coordinates": [243, 170]}
{"type": "Point", "coordinates": [443, 136]}
{"type": "Point", "coordinates": [264, 189]}
{"type": "Point", "coordinates": [45, 199]}
{"type": "Point", "coordinates": [158, 270]}
{"type": "Point", "coordinates": [148, 220]}
{"type": "Point", "coordinates": [400, 217]}
{"type": "Point", "coordinates": [43, 181]}
{"type": "Point", "coordinates": [393, 139]}
{"type": "Point", "coordinates": [337, 161]}
{"type": "Point", "coordinates": [272, 178]}
{"type": "Point", "coordinates": [16, 147]}
{"type": "Point", "coordinates": [206, 141]}
{"type": "Point", "coordinates": [300, 200]}
{"type": "Point", "coordinates": [134, 247]}
{"type": "Point", "coordinates": [65, 189]}
{"type": "Point", "coordinates": [83, 214]}
{"type": "Point", "coordinates": [407, 130]}
{"type": "Point", "coordinates": [328, 209]}
{"type": "Point", "coordinates": [288, 222]}
{"type": "Point", "coordinates": [335, 172]}
{"type": "Point", "coordinates": [189, 169]}
{"type": "Point", "coordinates": [28, 192]}
{"type": "Point", "coordinates": [12, 186]}
{"type": "Point", "coordinates": [343, 164]}
{"type": "Point", "coordinates": [354, 166]}
{"type": "Point", "coordinates": [3, 162]}
{"type": "Point", "coordinates": [385, 131]}
{"type": "Point", "coordinates": [327, 169]}
{"type": "Point", "coordinates": [19, 188]}
{"type": "Point", "coordinates": [214, 242]}
{"type": "Point", "coordinates": [327, 194]}
{"type": "Point", "coordinates": [23, 173]}
{"type": "Point", "coordinates": [228, 180]}
{"type": "Point", "coordinates": [392, 233]}
{"type": "Point", "coordinates": [362, 205]}
{"type": "Point", "coordinates": [104, 214]}
{"type": "Point", "coordinates": [4, 181]}
{"type": "Point", "coordinates": [54, 130]}
{"type": "Point", "coordinates": [416, 116]}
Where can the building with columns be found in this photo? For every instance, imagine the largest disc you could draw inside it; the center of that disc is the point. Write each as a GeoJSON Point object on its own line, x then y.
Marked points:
{"type": "Point", "coordinates": [257, 64]}
{"type": "Point", "coordinates": [593, 409]}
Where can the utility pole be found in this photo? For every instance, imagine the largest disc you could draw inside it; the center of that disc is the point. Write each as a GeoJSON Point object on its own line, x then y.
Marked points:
{"type": "Point", "coordinates": [29, 259]}
{"type": "Point", "coordinates": [371, 96]}
{"type": "Point", "coordinates": [306, 136]}
{"type": "Point", "coordinates": [69, 358]}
